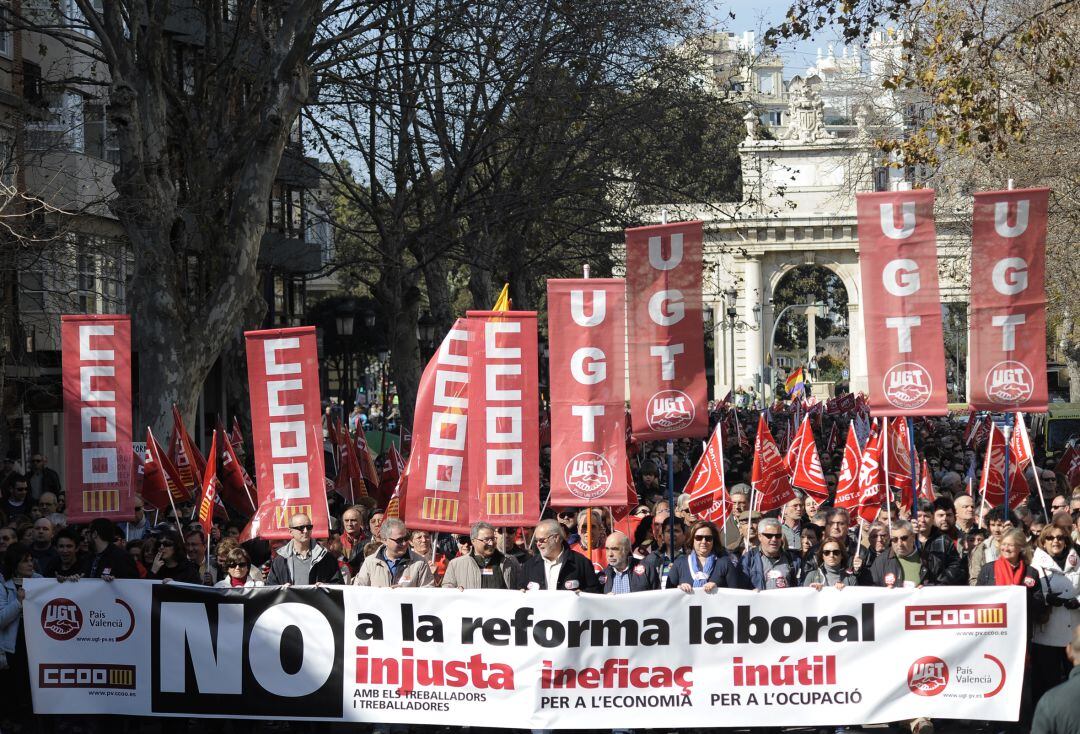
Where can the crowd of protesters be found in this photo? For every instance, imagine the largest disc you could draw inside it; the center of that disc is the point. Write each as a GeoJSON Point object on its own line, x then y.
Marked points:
{"type": "Point", "coordinates": [950, 541]}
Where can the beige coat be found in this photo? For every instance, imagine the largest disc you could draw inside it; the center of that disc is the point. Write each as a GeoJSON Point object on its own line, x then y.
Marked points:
{"type": "Point", "coordinates": [462, 572]}
{"type": "Point", "coordinates": [375, 572]}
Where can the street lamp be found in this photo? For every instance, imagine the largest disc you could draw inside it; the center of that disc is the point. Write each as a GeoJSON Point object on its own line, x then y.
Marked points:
{"type": "Point", "coordinates": [344, 320]}
{"type": "Point", "coordinates": [731, 295]}
{"type": "Point", "coordinates": [384, 357]}
{"type": "Point", "coordinates": [425, 331]}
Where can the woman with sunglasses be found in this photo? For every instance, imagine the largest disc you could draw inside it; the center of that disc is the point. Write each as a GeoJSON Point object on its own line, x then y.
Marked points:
{"type": "Point", "coordinates": [237, 566]}
{"type": "Point", "coordinates": [171, 563]}
{"type": "Point", "coordinates": [1058, 565]}
{"type": "Point", "coordinates": [706, 565]}
{"type": "Point", "coordinates": [832, 567]}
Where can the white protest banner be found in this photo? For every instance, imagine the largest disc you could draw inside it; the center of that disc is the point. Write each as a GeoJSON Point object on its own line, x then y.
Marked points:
{"type": "Point", "coordinates": [543, 659]}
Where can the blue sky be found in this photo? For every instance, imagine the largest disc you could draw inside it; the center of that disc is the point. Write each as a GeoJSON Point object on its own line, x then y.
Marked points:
{"type": "Point", "coordinates": [757, 15]}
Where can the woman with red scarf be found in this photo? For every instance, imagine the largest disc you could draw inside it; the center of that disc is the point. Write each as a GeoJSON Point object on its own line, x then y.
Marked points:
{"type": "Point", "coordinates": [1013, 568]}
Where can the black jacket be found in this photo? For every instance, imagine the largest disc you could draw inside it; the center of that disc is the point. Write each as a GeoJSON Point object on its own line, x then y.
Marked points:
{"type": "Point", "coordinates": [725, 573]}
{"type": "Point", "coordinates": [113, 561]}
{"type": "Point", "coordinates": [184, 572]}
{"type": "Point", "coordinates": [642, 577]}
{"type": "Point", "coordinates": [940, 564]}
{"type": "Point", "coordinates": [575, 568]}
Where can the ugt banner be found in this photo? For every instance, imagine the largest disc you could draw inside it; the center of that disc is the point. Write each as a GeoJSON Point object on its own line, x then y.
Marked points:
{"type": "Point", "coordinates": [504, 418]}
{"type": "Point", "coordinates": [542, 659]}
{"type": "Point", "coordinates": [587, 334]}
{"type": "Point", "coordinates": [286, 429]}
{"type": "Point", "coordinates": [905, 350]}
{"type": "Point", "coordinates": [97, 416]}
{"type": "Point", "coordinates": [437, 495]}
{"type": "Point", "coordinates": [1007, 332]}
{"type": "Point", "coordinates": [667, 348]}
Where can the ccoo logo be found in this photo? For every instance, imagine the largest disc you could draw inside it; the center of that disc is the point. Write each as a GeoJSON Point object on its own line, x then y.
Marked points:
{"type": "Point", "coordinates": [61, 619]}
{"type": "Point", "coordinates": [907, 386]}
{"type": "Point", "coordinates": [928, 676]}
{"type": "Point", "coordinates": [588, 475]}
{"type": "Point", "coordinates": [1009, 383]}
{"type": "Point", "coordinates": [670, 410]}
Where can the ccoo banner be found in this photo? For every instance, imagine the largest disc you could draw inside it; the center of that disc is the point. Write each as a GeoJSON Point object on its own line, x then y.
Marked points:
{"type": "Point", "coordinates": [437, 496]}
{"type": "Point", "coordinates": [905, 352]}
{"type": "Point", "coordinates": [504, 418]}
{"type": "Point", "coordinates": [667, 352]}
{"type": "Point", "coordinates": [535, 660]}
{"type": "Point", "coordinates": [286, 429]}
{"type": "Point", "coordinates": [97, 417]}
{"type": "Point", "coordinates": [586, 323]}
{"type": "Point", "coordinates": [1007, 332]}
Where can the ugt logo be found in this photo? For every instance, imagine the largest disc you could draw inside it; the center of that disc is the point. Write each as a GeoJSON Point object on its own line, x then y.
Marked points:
{"type": "Point", "coordinates": [1009, 383]}
{"type": "Point", "coordinates": [275, 652]}
{"type": "Point", "coordinates": [670, 410]}
{"type": "Point", "coordinates": [61, 619]}
{"type": "Point", "coordinates": [928, 676]}
{"type": "Point", "coordinates": [588, 475]}
{"type": "Point", "coordinates": [908, 386]}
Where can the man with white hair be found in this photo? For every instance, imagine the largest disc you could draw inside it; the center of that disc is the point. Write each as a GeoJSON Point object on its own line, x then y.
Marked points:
{"type": "Point", "coordinates": [624, 573]}
{"type": "Point", "coordinates": [485, 567]}
{"type": "Point", "coordinates": [770, 565]}
{"type": "Point", "coordinates": [556, 567]}
{"type": "Point", "coordinates": [394, 564]}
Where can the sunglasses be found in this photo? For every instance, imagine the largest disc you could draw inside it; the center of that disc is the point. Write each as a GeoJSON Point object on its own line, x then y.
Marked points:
{"type": "Point", "coordinates": [167, 544]}
{"type": "Point", "coordinates": [239, 565]}
{"type": "Point", "coordinates": [900, 538]}
{"type": "Point", "coordinates": [1059, 538]}
{"type": "Point", "coordinates": [399, 541]}
{"type": "Point", "coordinates": [834, 552]}
{"type": "Point", "coordinates": [770, 536]}
{"type": "Point", "coordinates": [301, 528]}
{"type": "Point", "coordinates": [568, 515]}
{"type": "Point", "coordinates": [706, 538]}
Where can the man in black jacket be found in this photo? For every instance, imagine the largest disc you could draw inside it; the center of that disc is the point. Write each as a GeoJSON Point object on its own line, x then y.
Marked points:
{"type": "Point", "coordinates": [624, 573]}
{"type": "Point", "coordinates": [937, 564]}
{"type": "Point", "coordinates": [302, 561]}
{"type": "Point", "coordinates": [556, 566]}
{"type": "Point", "coordinates": [107, 560]}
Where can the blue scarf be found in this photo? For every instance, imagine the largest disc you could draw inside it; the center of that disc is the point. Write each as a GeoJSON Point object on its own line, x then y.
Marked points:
{"type": "Point", "coordinates": [695, 569]}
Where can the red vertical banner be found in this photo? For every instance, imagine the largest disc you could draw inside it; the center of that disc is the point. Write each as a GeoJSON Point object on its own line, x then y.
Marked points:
{"type": "Point", "coordinates": [905, 349]}
{"type": "Point", "coordinates": [97, 417]}
{"type": "Point", "coordinates": [667, 346]}
{"type": "Point", "coordinates": [1007, 330]}
{"type": "Point", "coordinates": [587, 341]}
{"type": "Point", "coordinates": [437, 496]}
{"type": "Point", "coordinates": [504, 418]}
{"type": "Point", "coordinates": [437, 485]}
{"type": "Point", "coordinates": [286, 429]}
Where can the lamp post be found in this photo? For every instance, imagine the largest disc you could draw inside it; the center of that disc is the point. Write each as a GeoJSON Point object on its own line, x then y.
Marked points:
{"type": "Point", "coordinates": [425, 333]}
{"type": "Point", "coordinates": [384, 357]}
{"type": "Point", "coordinates": [344, 321]}
{"type": "Point", "coordinates": [731, 296]}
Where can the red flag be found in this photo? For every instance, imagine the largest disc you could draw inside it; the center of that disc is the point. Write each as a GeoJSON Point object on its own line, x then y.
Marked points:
{"type": "Point", "coordinates": [1021, 442]}
{"type": "Point", "coordinates": [769, 478]}
{"type": "Point", "coordinates": [588, 395]}
{"type": "Point", "coordinates": [900, 473]}
{"type": "Point", "coordinates": [833, 441]}
{"type": "Point", "coordinates": [97, 417]}
{"type": "Point", "coordinates": [901, 303]}
{"type": "Point", "coordinates": [437, 496]}
{"type": "Point", "coordinates": [209, 490]}
{"type": "Point", "coordinates": [805, 465]}
{"type": "Point", "coordinates": [667, 353]}
{"type": "Point", "coordinates": [185, 456]}
{"type": "Point", "coordinates": [847, 483]}
{"type": "Point", "coordinates": [286, 420]}
{"type": "Point", "coordinates": [871, 476]}
{"type": "Point", "coordinates": [1072, 471]}
{"type": "Point", "coordinates": [349, 482]}
{"type": "Point", "coordinates": [972, 419]}
{"type": "Point", "coordinates": [236, 438]}
{"type": "Point", "coordinates": [363, 457]}
{"type": "Point", "coordinates": [1007, 329]}
{"type": "Point", "coordinates": [391, 475]}
{"type": "Point", "coordinates": [393, 507]}
{"type": "Point", "coordinates": [926, 486]}
{"type": "Point", "coordinates": [992, 482]}
{"type": "Point", "coordinates": [621, 518]}
{"type": "Point", "coordinates": [708, 495]}
{"type": "Point", "coordinates": [236, 486]}
{"type": "Point", "coordinates": [504, 417]}
{"type": "Point", "coordinates": [160, 477]}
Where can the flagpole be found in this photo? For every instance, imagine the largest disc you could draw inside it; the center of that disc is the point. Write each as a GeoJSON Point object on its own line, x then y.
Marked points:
{"type": "Point", "coordinates": [888, 488]}
{"type": "Point", "coordinates": [914, 483]}
{"type": "Point", "coordinates": [322, 464]}
{"type": "Point", "coordinates": [985, 480]}
{"type": "Point", "coordinates": [1008, 442]}
{"type": "Point", "coordinates": [1034, 470]}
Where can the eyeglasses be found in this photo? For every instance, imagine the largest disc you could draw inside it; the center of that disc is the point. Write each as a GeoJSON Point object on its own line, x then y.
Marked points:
{"type": "Point", "coordinates": [900, 538]}
{"type": "Point", "coordinates": [167, 544]}
{"type": "Point", "coordinates": [239, 565]}
{"type": "Point", "coordinates": [486, 541]}
{"type": "Point", "coordinates": [568, 515]}
{"type": "Point", "coordinates": [399, 541]}
{"type": "Point", "coordinates": [833, 552]}
{"type": "Point", "coordinates": [703, 538]}
{"type": "Point", "coordinates": [770, 536]}
{"type": "Point", "coordinates": [1056, 538]}
{"type": "Point", "coordinates": [1058, 506]}
{"type": "Point", "coordinates": [545, 539]}
{"type": "Point", "coordinates": [301, 528]}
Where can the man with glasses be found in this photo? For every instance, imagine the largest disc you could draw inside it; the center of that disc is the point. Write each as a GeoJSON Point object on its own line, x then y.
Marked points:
{"type": "Point", "coordinates": [732, 536]}
{"type": "Point", "coordinates": [567, 518]}
{"type": "Point", "coordinates": [302, 561]}
{"type": "Point", "coordinates": [133, 529]}
{"type": "Point", "coordinates": [555, 566]}
{"type": "Point", "coordinates": [1058, 504]}
{"type": "Point", "coordinates": [837, 524]}
{"type": "Point", "coordinates": [17, 503]}
{"type": "Point", "coordinates": [937, 563]}
{"type": "Point", "coordinates": [42, 478]}
{"type": "Point", "coordinates": [486, 567]}
{"type": "Point", "coordinates": [770, 565]}
{"type": "Point", "coordinates": [793, 517]}
{"type": "Point", "coordinates": [394, 564]}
